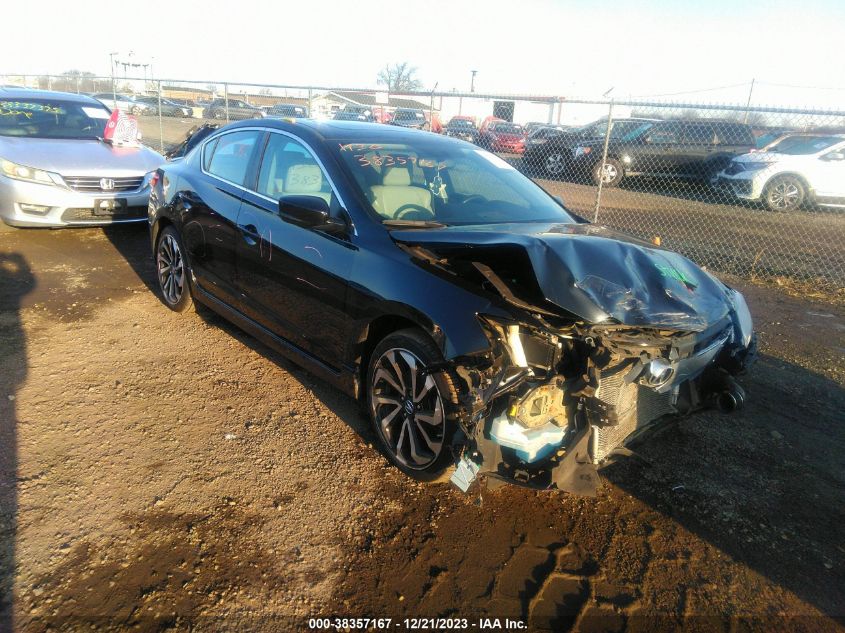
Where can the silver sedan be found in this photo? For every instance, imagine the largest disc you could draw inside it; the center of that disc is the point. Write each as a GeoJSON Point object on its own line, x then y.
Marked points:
{"type": "Point", "coordinates": [56, 169]}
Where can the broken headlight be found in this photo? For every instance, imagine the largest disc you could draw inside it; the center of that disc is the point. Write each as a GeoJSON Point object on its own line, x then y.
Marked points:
{"type": "Point", "coordinates": [743, 325]}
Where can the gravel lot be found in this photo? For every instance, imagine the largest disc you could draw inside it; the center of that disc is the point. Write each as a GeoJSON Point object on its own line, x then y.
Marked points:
{"type": "Point", "coordinates": [160, 471]}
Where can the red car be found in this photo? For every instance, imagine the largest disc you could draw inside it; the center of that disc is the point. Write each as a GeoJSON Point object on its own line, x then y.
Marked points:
{"type": "Point", "coordinates": [501, 136]}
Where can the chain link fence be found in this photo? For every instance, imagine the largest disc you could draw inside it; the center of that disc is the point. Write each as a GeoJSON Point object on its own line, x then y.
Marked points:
{"type": "Point", "coordinates": [746, 190]}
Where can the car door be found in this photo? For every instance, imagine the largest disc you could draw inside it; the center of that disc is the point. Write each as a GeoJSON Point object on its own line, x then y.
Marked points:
{"type": "Point", "coordinates": [292, 280]}
{"type": "Point", "coordinates": [208, 205]}
{"type": "Point", "coordinates": [828, 178]}
{"type": "Point", "coordinates": [697, 142]}
{"type": "Point", "coordinates": [655, 152]}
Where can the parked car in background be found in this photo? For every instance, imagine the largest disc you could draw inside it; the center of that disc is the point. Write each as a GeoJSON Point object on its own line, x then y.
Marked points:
{"type": "Point", "coordinates": [354, 114]}
{"type": "Point", "coordinates": [479, 322]}
{"type": "Point", "coordinates": [168, 108]}
{"type": "Point", "coordinates": [55, 168]}
{"type": "Point", "coordinates": [487, 122]}
{"type": "Point", "coordinates": [410, 117]}
{"type": "Point", "coordinates": [192, 138]}
{"type": "Point", "coordinates": [501, 136]}
{"type": "Point", "coordinates": [121, 102]}
{"type": "Point", "coordinates": [463, 129]}
{"type": "Point", "coordinates": [553, 154]}
{"type": "Point", "coordinates": [287, 110]}
{"type": "Point", "coordinates": [238, 109]}
{"type": "Point", "coordinates": [769, 137]}
{"type": "Point", "coordinates": [696, 149]}
{"type": "Point", "coordinates": [797, 169]}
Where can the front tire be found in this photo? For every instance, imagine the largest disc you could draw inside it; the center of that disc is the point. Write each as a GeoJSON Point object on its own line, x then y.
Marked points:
{"type": "Point", "coordinates": [784, 193]}
{"type": "Point", "coordinates": [408, 406]}
{"type": "Point", "coordinates": [555, 164]}
{"type": "Point", "coordinates": [610, 174]}
{"type": "Point", "coordinates": [172, 271]}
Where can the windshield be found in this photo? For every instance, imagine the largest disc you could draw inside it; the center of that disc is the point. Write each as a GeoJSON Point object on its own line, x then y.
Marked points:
{"type": "Point", "coordinates": [797, 145]}
{"type": "Point", "coordinates": [406, 114]}
{"type": "Point", "coordinates": [460, 123]}
{"type": "Point", "coordinates": [47, 118]}
{"type": "Point", "coordinates": [433, 180]}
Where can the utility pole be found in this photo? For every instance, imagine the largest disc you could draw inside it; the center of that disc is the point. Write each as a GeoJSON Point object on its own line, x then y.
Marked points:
{"type": "Point", "coordinates": [748, 104]}
{"type": "Point", "coordinates": [113, 86]}
{"type": "Point", "coordinates": [472, 81]}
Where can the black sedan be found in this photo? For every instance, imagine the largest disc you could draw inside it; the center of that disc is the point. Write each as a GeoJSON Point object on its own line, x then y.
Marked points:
{"type": "Point", "coordinates": [480, 323]}
{"type": "Point", "coordinates": [167, 107]}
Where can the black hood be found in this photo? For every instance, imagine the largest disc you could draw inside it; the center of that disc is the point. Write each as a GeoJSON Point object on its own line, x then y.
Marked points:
{"type": "Point", "coordinates": [587, 270]}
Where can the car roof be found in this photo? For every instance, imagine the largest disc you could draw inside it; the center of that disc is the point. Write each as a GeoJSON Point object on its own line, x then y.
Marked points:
{"type": "Point", "coordinates": [28, 93]}
{"type": "Point", "coordinates": [349, 131]}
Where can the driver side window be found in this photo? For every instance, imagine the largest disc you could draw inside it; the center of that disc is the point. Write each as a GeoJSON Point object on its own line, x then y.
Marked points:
{"type": "Point", "coordinates": [288, 168]}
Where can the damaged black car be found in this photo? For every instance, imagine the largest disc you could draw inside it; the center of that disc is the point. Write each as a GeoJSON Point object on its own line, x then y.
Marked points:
{"type": "Point", "coordinates": [480, 323]}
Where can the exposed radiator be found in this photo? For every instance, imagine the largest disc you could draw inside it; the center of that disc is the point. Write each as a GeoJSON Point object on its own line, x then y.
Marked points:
{"type": "Point", "coordinates": [635, 407]}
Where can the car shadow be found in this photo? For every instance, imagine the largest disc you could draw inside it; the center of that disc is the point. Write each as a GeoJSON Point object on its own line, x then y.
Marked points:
{"type": "Point", "coordinates": [132, 241]}
{"type": "Point", "coordinates": [16, 281]}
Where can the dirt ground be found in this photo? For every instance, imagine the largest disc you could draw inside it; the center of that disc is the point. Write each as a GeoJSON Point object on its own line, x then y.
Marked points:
{"type": "Point", "coordinates": [167, 472]}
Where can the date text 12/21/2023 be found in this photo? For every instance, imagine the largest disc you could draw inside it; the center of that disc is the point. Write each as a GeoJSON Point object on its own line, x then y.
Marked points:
{"type": "Point", "coordinates": [416, 624]}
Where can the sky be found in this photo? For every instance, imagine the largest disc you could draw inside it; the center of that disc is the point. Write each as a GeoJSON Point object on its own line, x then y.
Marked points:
{"type": "Point", "coordinates": [702, 50]}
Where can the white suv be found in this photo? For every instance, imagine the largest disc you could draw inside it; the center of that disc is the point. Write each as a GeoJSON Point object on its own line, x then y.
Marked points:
{"type": "Point", "coordinates": [798, 168]}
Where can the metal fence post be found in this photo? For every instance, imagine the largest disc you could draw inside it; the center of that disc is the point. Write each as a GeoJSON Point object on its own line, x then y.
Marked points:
{"type": "Point", "coordinates": [310, 106]}
{"type": "Point", "coordinates": [49, 82]}
{"type": "Point", "coordinates": [603, 161]}
{"type": "Point", "coordinates": [77, 84]}
{"type": "Point", "coordinates": [160, 124]}
{"type": "Point", "coordinates": [226, 100]}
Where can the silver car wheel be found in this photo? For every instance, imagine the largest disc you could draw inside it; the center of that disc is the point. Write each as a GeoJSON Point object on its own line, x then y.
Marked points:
{"type": "Point", "coordinates": [408, 409]}
{"type": "Point", "coordinates": [171, 269]}
{"type": "Point", "coordinates": [608, 173]}
{"type": "Point", "coordinates": [555, 164]}
{"type": "Point", "coordinates": [785, 195]}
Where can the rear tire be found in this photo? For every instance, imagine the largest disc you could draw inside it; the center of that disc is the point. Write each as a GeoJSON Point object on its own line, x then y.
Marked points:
{"type": "Point", "coordinates": [409, 408]}
{"type": "Point", "coordinates": [611, 175]}
{"type": "Point", "coordinates": [172, 271]}
{"type": "Point", "coordinates": [784, 193]}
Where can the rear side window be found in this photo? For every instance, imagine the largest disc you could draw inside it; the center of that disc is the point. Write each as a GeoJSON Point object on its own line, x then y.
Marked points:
{"type": "Point", "coordinates": [698, 134]}
{"type": "Point", "coordinates": [231, 156]}
{"type": "Point", "coordinates": [664, 133]}
{"type": "Point", "coordinates": [208, 152]}
{"type": "Point", "coordinates": [734, 135]}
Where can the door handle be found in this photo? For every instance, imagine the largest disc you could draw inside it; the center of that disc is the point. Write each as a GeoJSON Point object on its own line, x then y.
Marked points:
{"type": "Point", "coordinates": [250, 233]}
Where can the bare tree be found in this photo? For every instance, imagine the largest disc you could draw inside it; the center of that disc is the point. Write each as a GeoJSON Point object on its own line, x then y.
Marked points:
{"type": "Point", "coordinates": [399, 78]}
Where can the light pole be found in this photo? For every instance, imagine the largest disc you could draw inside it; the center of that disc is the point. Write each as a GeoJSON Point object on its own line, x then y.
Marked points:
{"type": "Point", "coordinates": [113, 87]}
{"type": "Point", "coordinates": [472, 81]}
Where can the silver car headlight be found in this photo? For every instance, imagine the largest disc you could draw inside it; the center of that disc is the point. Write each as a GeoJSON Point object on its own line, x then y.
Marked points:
{"type": "Point", "coordinates": [743, 324]}
{"type": "Point", "coordinates": [29, 174]}
{"type": "Point", "coordinates": [147, 178]}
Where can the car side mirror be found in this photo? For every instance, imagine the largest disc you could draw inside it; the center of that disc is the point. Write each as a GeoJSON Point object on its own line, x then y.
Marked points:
{"type": "Point", "coordinates": [310, 212]}
{"type": "Point", "coordinates": [834, 156]}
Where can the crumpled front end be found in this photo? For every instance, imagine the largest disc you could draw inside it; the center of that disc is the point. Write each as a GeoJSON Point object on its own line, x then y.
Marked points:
{"type": "Point", "coordinates": [555, 406]}
{"type": "Point", "coordinates": [604, 338]}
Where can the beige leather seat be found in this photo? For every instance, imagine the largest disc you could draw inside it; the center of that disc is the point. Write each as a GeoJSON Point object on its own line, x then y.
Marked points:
{"type": "Point", "coordinates": [396, 192]}
{"type": "Point", "coordinates": [304, 180]}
